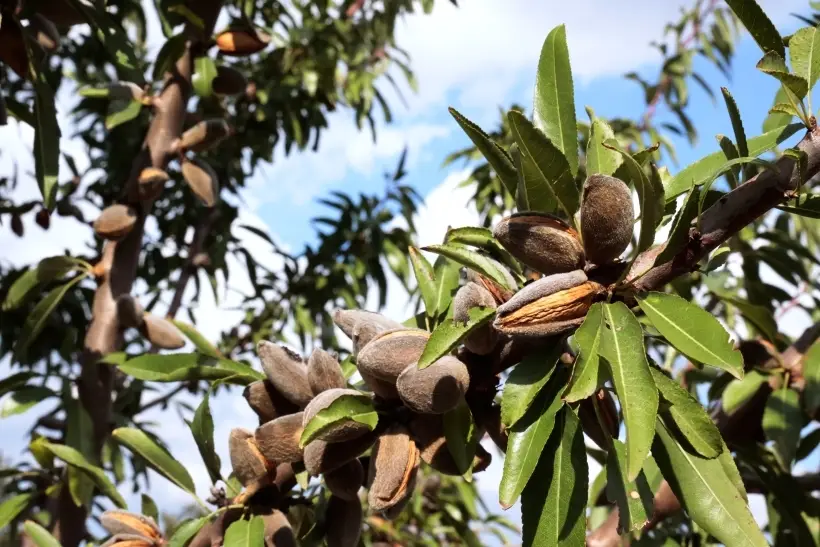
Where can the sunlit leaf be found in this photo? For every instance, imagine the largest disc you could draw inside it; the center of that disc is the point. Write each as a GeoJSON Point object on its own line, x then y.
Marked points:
{"type": "Point", "coordinates": [346, 408]}
{"type": "Point", "coordinates": [782, 422]}
{"type": "Point", "coordinates": [449, 334]}
{"type": "Point", "coordinates": [202, 428]}
{"type": "Point", "coordinates": [525, 382]}
{"type": "Point", "coordinates": [758, 25]}
{"type": "Point", "coordinates": [633, 497]}
{"type": "Point", "coordinates": [155, 456]}
{"type": "Point", "coordinates": [461, 437]}
{"type": "Point", "coordinates": [585, 372]}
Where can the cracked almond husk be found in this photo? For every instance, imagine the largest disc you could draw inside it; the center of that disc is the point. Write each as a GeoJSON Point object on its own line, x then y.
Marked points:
{"type": "Point", "coordinates": [119, 522]}
{"type": "Point", "coordinates": [393, 467]}
{"type": "Point", "coordinates": [607, 218]}
{"type": "Point", "coordinates": [324, 372]}
{"type": "Point", "coordinates": [343, 522]}
{"type": "Point", "coordinates": [115, 222]}
{"type": "Point", "coordinates": [340, 431]}
{"type": "Point", "coordinates": [248, 463]}
{"type": "Point", "coordinates": [286, 371]}
{"type": "Point", "coordinates": [241, 41]}
{"type": "Point", "coordinates": [472, 295]}
{"type": "Point", "coordinates": [204, 135]}
{"type": "Point", "coordinates": [202, 180]}
{"type": "Point", "coordinates": [161, 332]}
{"type": "Point", "coordinates": [228, 81]}
{"type": "Point", "coordinates": [278, 440]}
{"type": "Point", "coordinates": [549, 306]}
{"type": "Point", "coordinates": [543, 242]}
{"type": "Point", "coordinates": [435, 389]}
{"type": "Point", "coordinates": [267, 402]}
{"type": "Point", "coordinates": [389, 353]}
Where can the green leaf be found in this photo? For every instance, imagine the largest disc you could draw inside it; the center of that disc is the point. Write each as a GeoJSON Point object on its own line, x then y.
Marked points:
{"type": "Point", "coordinates": [806, 205]}
{"type": "Point", "coordinates": [760, 316]}
{"type": "Point", "coordinates": [528, 437]}
{"type": "Point", "coordinates": [738, 392]}
{"type": "Point", "coordinates": [39, 535]}
{"type": "Point", "coordinates": [758, 25]}
{"type": "Point", "coordinates": [737, 123]}
{"type": "Point", "coordinates": [554, 101]}
{"type": "Point", "coordinates": [679, 233]}
{"type": "Point", "coordinates": [774, 65]}
{"type": "Point", "coordinates": [692, 330]}
{"type": "Point", "coordinates": [705, 168]}
{"type": "Point", "coordinates": [177, 367]}
{"type": "Point", "coordinates": [782, 422]}
{"type": "Point", "coordinates": [729, 165]}
{"type": "Point", "coordinates": [689, 416]}
{"type": "Point", "coordinates": [15, 381]}
{"type": "Point", "coordinates": [525, 382]}
{"type": "Point", "coordinates": [23, 399]}
{"type": "Point", "coordinates": [718, 259]}
{"type": "Point", "coordinates": [171, 51]}
{"type": "Point", "coordinates": [474, 260]}
{"type": "Point", "coordinates": [601, 159]}
{"type": "Point", "coordinates": [623, 348]}
{"type": "Point", "coordinates": [46, 140]}
{"type": "Point", "coordinates": [449, 334]}
{"type": "Point", "coordinates": [12, 506]}
{"type": "Point", "coordinates": [186, 531]}
{"type": "Point", "coordinates": [777, 116]}
{"type": "Point", "coordinates": [47, 270]}
{"type": "Point", "coordinates": [74, 458]}
{"type": "Point", "coordinates": [80, 437]}
{"type": "Point", "coordinates": [155, 456]}
{"type": "Point", "coordinates": [148, 507]}
{"type": "Point", "coordinates": [121, 111]}
{"type": "Point", "coordinates": [731, 153]}
{"type": "Point", "coordinates": [499, 160]}
{"type": "Point", "coordinates": [447, 281]}
{"type": "Point", "coordinates": [202, 428]}
{"type": "Point", "coordinates": [585, 372]}
{"type": "Point", "coordinates": [650, 196]}
{"type": "Point", "coordinates": [426, 279]}
{"type": "Point", "coordinates": [634, 497]}
{"type": "Point", "coordinates": [204, 74]}
{"type": "Point", "coordinates": [483, 239]}
{"type": "Point", "coordinates": [804, 54]}
{"type": "Point", "coordinates": [461, 436]}
{"type": "Point", "coordinates": [245, 533]}
{"type": "Point", "coordinates": [346, 408]}
{"type": "Point", "coordinates": [727, 461]}
{"type": "Point", "coordinates": [811, 374]}
{"type": "Point", "coordinates": [550, 180]}
{"type": "Point", "coordinates": [706, 492]}
{"type": "Point", "coordinates": [553, 504]}
{"type": "Point", "coordinates": [200, 342]}
{"type": "Point", "coordinates": [807, 444]}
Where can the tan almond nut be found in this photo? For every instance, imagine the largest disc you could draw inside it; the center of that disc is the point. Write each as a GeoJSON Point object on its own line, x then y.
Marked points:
{"type": "Point", "coordinates": [393, 467]}
{"type": "Point", "coordinates": [427, 431]}
{"type": "Point", "coordinates": [129, 540]}
{"type": "Point", "coordinates": [115, 222]}
{"type": "Point", "coordinates": [346, 481]}
{"type": "Point", "coordinates": [204, 135]}
{"type": "Point", "coordinates": [151, 182]}
{"type": "Point", "coordinates": [472, 295]}
{"type": "Point", "coordinates": [435, 389]}
{"type": "Point", "coordinates": [343, 522]}
{"type": "Point", "coordinates": [389, 353]}
{"type": "Point", "coordinates": [202, 181]}
{"type": "Point", "coordinates": [324, 372]}
{"type": "Point", "coordinates": [267, 401]}
{"type": "Point", "coordinates": [286, 371]}
{"type": "Point", "coordinates": [607, 218]}
{"type": "Point", "coordinates": [384, 389]}
{"type": "Point", "coordinates": [343, 430]}
{"type": "Point", "coordinates": [278, 440]}
{"type": "Point", "coordinates": [228, 81]}
{"type": "Point", "coordinates": [45, 32]}
{"type": "Point", "coordinates": [129, 312]}
{"type": "Point", "coordinates": [161, 332]}
{"type": "Point", "coordinates": [362, 326]}
{"type": "Point", "coordinates": [118, 522]}
{"type": "Point", "coordinates": [549, 306]}
{"type": "Point", "coordinates": [323, 457]}
{"type": "Point", "coordinates": [278, 531]}
{"type": "Point", "coordinates": [543, 242]}
{"type": "Point", "coordinates": [241, 41]}
{"type": "Point", "coordinates": [247, 461]}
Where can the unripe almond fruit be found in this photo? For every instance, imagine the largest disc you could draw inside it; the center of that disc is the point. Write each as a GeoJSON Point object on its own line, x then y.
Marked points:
{"type": "Point", "coordinates": [427, 431]}
{"type": "Point", "coordinates": [607, 218]}
{"type": "Point", "coordinates": [202, 181]}
{"type": "Point", "coordinates": [393, 466]}
{"type": "Point", "coordinates": [161, 332]}
{"type": "Point", "coordinates": [129, 312]}
{"type": "Point", "coordinates": [324, 372]}
{"type": "Point", "coordinates": [343, 522]}
{"type": "Point", "coordinates": [435, 389]}
{"type": "Point", "coordinates": [543, 242]}
{"type": "Point", "coordinates": [228, 81]}
{"type": "Point", "coordinates": [362, 326]}
{"type": "Point", "coordinates": [278, 440]}
{"type": "Point", "coordinates": [389, 353]}
{"type": "Point", "coordinates": [346, 481]}
{"type": "Point", "coordinates": [340, 431]}
{"type": "Point", "coordinates": [278, 531]}
{"type": "Point", "coordinates": [323, 457]}
{"type": "Point", "coordinates": [151, 182]}
{"type": "Point", "coordinates": [382, 388]}
{"type": "Point", "coordinates": [267, 401]}
{"type": "Point", "coordinates": [115, 222]}
{"type": "Point", "coordinates": [44, 31]}
{"type": "Point", "coordinates": [204, 135]}
{"type": "Point", "coordinates": [549, 306]}
{"type": "Point", "coordinates": [241, 41]}
{"type": "Point", "coordinates": [117, 521]}
{"type": "Point", "coordinates": [482, 340]}
{"type": "Point", "coordinates": [247, 461]}
{"type": "Point", "coordinates": [286, 371]}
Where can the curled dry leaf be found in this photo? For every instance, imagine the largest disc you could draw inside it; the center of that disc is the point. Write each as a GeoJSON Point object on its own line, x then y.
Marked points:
{"type": "Point", "coordinates": [115, 222]}
{"type": "Point", "coordinates": [247, 461]}
{"type": "Point", "coordinates": [472, 295]}
{"type": "Point", "coordinates": [346, 481]}
{"type": "Point", "coordinates": [435, 389]}
{"type": "Point", "coordinates": [389, 353]}
{"type": "Point", "coordinates": [268, 403]}
{"type": "Point", "coordinates": [161, 332]}
{"type": "Point", "coordinates": [339, 431]}
{"type": "Point", "coordinates": [202, 180]}
{"type": "Point", "coordinates": [278, 440]}
{"type": "Point", "coordinates": [607, 218]}
{"type": "Point", "coordinates": [343, 522]}
{"type": "Point", "coordinates": [543, 242]}
{"type": "Point", "coordinates": [286, 371]}
{"type": "Point", "coordinates": [204, 135]}
{"type": "Point", "coordinates": [241, 41]}
{"type": "Point", "coordinates": [393, 467]}
{"type": "Point", "coordinates": [324, 372]}
{"type": "Point", "coordinates": [323, 457]}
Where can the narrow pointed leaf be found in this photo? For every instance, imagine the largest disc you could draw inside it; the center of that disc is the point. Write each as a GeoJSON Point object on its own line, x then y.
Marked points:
{"type": "Point", "coordinates": [778, 117]}
{"type": "Point", "coordinates": [524, 383]}
{"type": "Point", "coordinates": [738, 392]}
{"type": "Point", "coordinates": [759, 316]}
{"type": "Point", "coordinates": [804, 54]}
{"type": "Point", "coordinates": [474, 260]}
{"type": "Point", "coordinates": [806, 205]}
{"type": "Point", "coordinates": [601, 159]}
{"type": "Point", "coordinates": [48, 269]}
{"type": "Point", "coordinates": [623, 348]}
{"type": "Point", "coordinates": [585, 372]}
{"type": "Point", "coordinates": [449, 334]}
{"type": "Point", "coordinates": [737, 123]}
{"type": "Point", "coordinates": [39, 535]}
{"type": "Point", "coordinates": [774, 65]}
{"type": "Point", "coordinates": [811, 374]}
{"type": "Point", "coordinates": [36, 320]}
{"type": "Point", "coordinates": [346, 408]}
{"type": "Point", "coordinates": [148, 507]}
{"type": "Point", "coordinates": [96, 474]}
{"type": "Point", "coordinates": [23, 399]}
{"type": "Point", "coordinates": [758, 25]}
{"type": "Point", "coordinates": [782, 422]}
{"type": "Point", "coordinates": [727, 461]}
{"type": "Point", "coordinates": [679, 233]}
{"type": "Point", "coordinates": [155, 456]}
{"type": "Point", "coordinates": [426, 280]}
{"type": "Point", "coordinates": [197, 339]}
{"type": "Point", "coordinates": [634, 498]}
{"type": "Point", "coordinates": [120, 112]}
{"type": "Point", "coordinates": [447, 281]}
{"type": "Point", "coordinates": [553, 504]}
{"type": "Point", "coordinates": [461, 437]}
{"type": "Point", "coordinates": [692, 330]}
{"type": "Point", "coordinates": [46, 140]}
{"type": "Point", "coordinates": [498, 159]}
{"type": "Point", "coordinates": [245, 533]}
{"type": "Point", "coordinates": [554, 101]}
{"type": "Point", "coordinates": [202, 428]}
{"type": "Point", "coordinates": [187, 530]}
{"type": "Point", "coordinates": [13, 506]}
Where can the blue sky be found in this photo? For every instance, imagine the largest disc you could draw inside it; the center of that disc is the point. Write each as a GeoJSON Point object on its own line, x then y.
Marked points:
{"type": "Point", "coordinates": [476, 58]}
